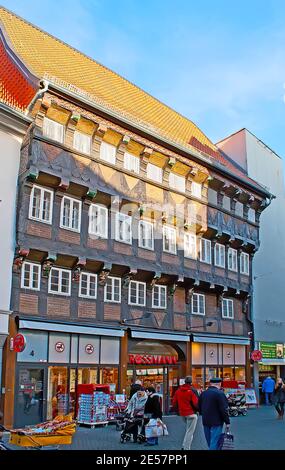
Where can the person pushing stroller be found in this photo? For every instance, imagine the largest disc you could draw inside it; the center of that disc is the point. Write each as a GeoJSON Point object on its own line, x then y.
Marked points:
{"type": "Point", "coordinates": [134, 415]}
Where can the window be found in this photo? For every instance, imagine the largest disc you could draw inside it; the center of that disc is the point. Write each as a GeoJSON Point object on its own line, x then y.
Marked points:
{"type": "Point", "coordinates": [190, 245]}
{"type": "Point", "coordinates": [177, 182]}
{"type": "Point", "coordinates": [239, 209]}
{"type": "Point", "coordinates": [123, 228]}
{"type": "Point", "coordinates": [227, 203]}
{"type": "Point", "coordinates": [59, 281]}
{"type": "Point", "coordinates": [82, 142]}
{"type": "Point", "coordinates": [227, 308]}
{"type": "Point", "coordinates": [244, 263]}
{"type": "Point", "coordinates": [112, 290]}
{"type": "Point", "coordinates": [196, 189]}
{"type": "Point", "coordinates": [88, 285]}
{"type": "Point", "coordinates": [251, 215]}
{"type": "Point", "coordinates": [53, 130]}
{"type": "Point", "coordinates": [137, 292]}
{"type": "Point", "coordinates": [131, 162]}
{"type": "Point", "coordinates": [159, 294]}
{"type": "Point", "coordinates": [198, 304]}
{"type": "Point", "coordinates": [41, 201]}
{"type": "Point", "coordinates": [219, 255]}
{"type": "Point", "coordinates": [70, 214]}
{"type": "Point", "coordinates": [98, 221]}
{"type": "Point", "coordinates": [205, 251]}
{"type": "Point", "coordinates": [154, 172]}
{"type": "Point", "coordinates": [146, 235]}
{"type": "Point", "coordinates": [232, 259]}
{"type": "Point", "coordinates": [108, 152]}
{"type": "Point", "coordinates": [31, 276]}
{"type": "Point", "coordinates": [212, 196]}
{"type": "Point", "coordinates": [169, 239]}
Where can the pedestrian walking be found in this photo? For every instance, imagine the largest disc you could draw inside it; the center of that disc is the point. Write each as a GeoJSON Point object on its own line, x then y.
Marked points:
{"type": "Point", "coordinates": [279, 398]}
{"type": "Point", "coordinates": [213, 406]}
{"type": "Point", "coordinates": [135, 410]}
{"type": "Point", "coordinates": [268, 388]}
{"type": "Point", "coordinates": [185, 400]}
{"type": "Point", "coordinates": [135, 387]}
{"type": "Point", "coordinates": [152, 410]}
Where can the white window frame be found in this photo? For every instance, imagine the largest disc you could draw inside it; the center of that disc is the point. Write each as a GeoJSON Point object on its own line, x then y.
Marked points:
{"type": "Point", "coordinates": [151, 244]}
{"type": "Point", "coordinates": [131, 162]}
{"type": "Point", "coordinates": [108, 152]}
{"type": "Point", "coordinates": [160, 290]}
{"type": "Point", "coordinates": [244, 256]}
{"type": "Point", "coordinates": [31, 274]}
{"type": "Point", "coordinates": [43, 190]}
{"type": "Point", "coordinates": [196, 189]}
{"type": "Point", "coordinates": [199, 312]}
{"type": "Point", "coordinates": [220, 255]}
{"type": "Point", "coordinates": [113, 280]}
{"type": "Point", "coordinates": [233, 265]}
{"type": "Point", "coordinates": [171, 230]}
{"type": "Point", "coordinates": [193, 243]}
{"type": "Point", "coordinates": [177, 182]}
{"type": "Point", "coordinates": [82, 142]}
{"type": "Point", "coordinates": [137, 284]}
{"type": "Point", "coordinates": [59, 291]}
{"type": "Point", "coordinates": [88, 276]}
{"type": "Point", "coordinates": [154, 173]}
{"type": "Point", "coordinates": [57, 125]}
{"type": "Point", "coordinates": [206, 259]}
{"type": "Point", "coordinates": [101, 212]}
{"type": "Point", "coordinates": [72, 201]}
{"type": "Point", "coordinates": [124, 218]}
{"type": "Point", "coordinates": [226, 309]}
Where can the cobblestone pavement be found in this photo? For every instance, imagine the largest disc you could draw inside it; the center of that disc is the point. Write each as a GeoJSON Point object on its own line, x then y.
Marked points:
{"type": "Point", "coordinates": [259, 430]}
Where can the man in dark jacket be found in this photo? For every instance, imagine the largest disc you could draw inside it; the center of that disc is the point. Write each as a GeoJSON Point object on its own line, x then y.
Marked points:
{"type": "Point", "coordinates": [186, 400]}
{"type": "Point", "coordinates": [213, 406]}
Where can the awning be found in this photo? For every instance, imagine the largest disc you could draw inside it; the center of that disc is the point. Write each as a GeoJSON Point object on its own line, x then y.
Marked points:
{"type": "Point", "coordinates": [67, 328]}
{"type": "Point", "coordinates": [162, 336]}
{"type": "Point", "coordinates": [272, 362]}
{"type": "Point", "coordinates": [221, 339]}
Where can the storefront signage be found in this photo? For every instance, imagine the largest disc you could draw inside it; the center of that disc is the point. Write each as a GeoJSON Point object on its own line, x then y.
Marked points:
{"type": "Point", "coordinates": [18, 343]}
{"type": "Point", "coordinates": [89, 349]}
{"type": "Point", "coordinates": [272, 350]}
{"type": "Point", "coordinates": [59, 347]}
{"type": "Point", "coordinates": [256, 355]}
{"type": "Point", "coordinates": [151, 359]}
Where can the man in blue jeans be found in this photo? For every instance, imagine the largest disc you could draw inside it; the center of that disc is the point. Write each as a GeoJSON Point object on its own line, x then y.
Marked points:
{"type": "Point", "coordinates": [213, 406]}
{"type": "Point", "coordinates": [268, 388]}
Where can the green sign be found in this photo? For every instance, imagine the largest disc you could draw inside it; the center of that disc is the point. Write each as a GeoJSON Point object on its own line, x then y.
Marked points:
{"type": "Point", "coordinates": [272, 350]}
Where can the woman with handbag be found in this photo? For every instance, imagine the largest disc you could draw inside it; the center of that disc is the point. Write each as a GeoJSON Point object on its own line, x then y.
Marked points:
{"type": "Point", "coordinates": [152, 410]}
{"type": "Point", "coordinates": [279, 398]}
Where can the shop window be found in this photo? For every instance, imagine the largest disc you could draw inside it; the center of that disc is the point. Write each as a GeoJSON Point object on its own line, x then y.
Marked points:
{"type": "Point", "coordinates": [232, 259]}
{"type": "Point", "coordinates": [154, 172]}
{"type": "Point", "coordinates": [219, 255]}
{"type": "Point", "coordinates": [205, 251]}
{"type": "Point", "coordinates": [110, 351]}
{"type": "Point", "coordinates": [70, 217]}
{"type": "Point", "coordinates": [88, 285]}
{"type": "Point", "coordinates": [146, 235]}
{"type": "Point", "coordinates": [87, 375]}
{"type": "Point", "coordinates": [198, 377]}
{"type": "Point", "coordinates": [169, 239]}
{"type": "Point", "coordinates": [190, 245]}
{"type": "Point", "coordinates": [228, 308]}
{"type": "Point", "coordinates": [228, 373]}
{"type": "Point", "coordinates": [36, 349]}
{"type": "Point", "coordinates": [198, 304]}
{"type": "Point", "coordinates": [123, 231]}
{"type": "Point", "coordinates": [137, 293]}
{"type": "Point", "coordinates": [198, 353]}
{"type": "Point", "coordinates": [228, 354]}
{"type": "Point", "coordinates": [53, 130]}
{"type": "Point", "coordinates": [82, 142]}
{"type": "Point", "coordinates": [108, 153]}
{"type": "Point", "coordinates": [112, 290]}
{"type": "Point", "coordinates": [89, 349]}
{"type": "Point", "coordinates": [58, 396]}
{"type": "Point", "coordinates": [211, 373]}
{"type": "Point", "coordinates": [159, 296]}
{"type": "Point", "coordinates": [59, 348]}
{"type": "Point", "coordinates": [240, 356]}
{"type": "Point", "coordinates": [131, 163]}
{"type": "Point", "coordinates": [244, 263]}
{"type": "Point", "coordinates": [41, 203]}
{"type": "Point", "coordinates": [196, 189]}
{"type": "Point", "coordinates": [98, 221]}
{"type": "Point", "coordinates": [211, 353]}
{"type": "Point", "coordinates": [240, 374]}
{"type": "Point", "coordinates": [31, 276]}
{"type": "Point", "coordinates": [177, 182]}
{"type": "Point", "coordinates": [110, 376]}
{"type": "Point", "coordinates": [59, 281]}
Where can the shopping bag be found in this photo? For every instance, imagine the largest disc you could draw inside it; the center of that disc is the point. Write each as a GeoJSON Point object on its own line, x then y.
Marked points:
{"type": "Point", "coordinates": [226, 441]}
{"type": "Point", "coordinates": [153, 429]}
{"type": "Point", "coordinates": [164, 427]}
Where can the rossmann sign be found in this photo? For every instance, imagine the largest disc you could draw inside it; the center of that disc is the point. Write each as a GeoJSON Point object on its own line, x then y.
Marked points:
{"type": "Point", "coordinates": [149, 359]}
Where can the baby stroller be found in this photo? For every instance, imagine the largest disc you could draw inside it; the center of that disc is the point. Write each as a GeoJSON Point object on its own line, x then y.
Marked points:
{"type": "Point", "coordinates": [237, 405]}
{"type": "Point", "coordinates": [131, 425]}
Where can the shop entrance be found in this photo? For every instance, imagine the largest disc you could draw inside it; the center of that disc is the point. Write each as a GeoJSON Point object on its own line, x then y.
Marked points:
{"type": "Point", "coordinates": [30, 401]}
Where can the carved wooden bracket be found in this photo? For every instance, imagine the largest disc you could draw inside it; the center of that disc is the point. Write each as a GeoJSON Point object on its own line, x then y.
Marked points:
{"type": "Point", "coordinates": [188, 295]}
{"type": "Point", "coordinates": [81, 263]}
{"type": "Point", "coordinates": [127, 278]}
{"type": "Point", "coordinates": [20, 258]}
{"type": "Point", "coordinates": [171, 288]}
{"type": "Point", "coordinates": [104, 274]}
{"type": "Point", "coordinates": [48, 264]}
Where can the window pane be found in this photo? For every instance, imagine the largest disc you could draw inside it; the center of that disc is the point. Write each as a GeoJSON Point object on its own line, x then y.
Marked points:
{"type": "Point", "coordinates": [36, 203]}
{"type": "Point", "coordinates": [131, 163]}
{"type": "Point", "coordinates": [177, 182]}
{"type": "Point", "coordinates": [54, 280]}
{"type": "Point", "coordinates": [66, 212]}
{"type": "Point", "coordinates": [65, 282]}
{"type": "Point", "coordinates": [108, 153]}
{"type": "Point", "coordinates": [196, 189]}
{"type": "Point", "coordinates": [82, 142]}
{"type": "Point", "coordinates": [75, 215]}
{"type": "Point", "coordinates": [154, 173]}
{"type": "Point", "coordinates": [53, 130]}
{"type": "Point", "coordinates": [27, 270]}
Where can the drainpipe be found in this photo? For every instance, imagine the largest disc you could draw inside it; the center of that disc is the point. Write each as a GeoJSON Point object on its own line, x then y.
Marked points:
{"type": "Point", "coordinates": [44, 84]}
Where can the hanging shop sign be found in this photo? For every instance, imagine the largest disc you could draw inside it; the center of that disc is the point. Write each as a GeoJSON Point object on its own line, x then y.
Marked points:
{"type": "Point", "coordinates": [272, 350]}
{"type": "Point", "coordinates": [256, 355]}
{"type": "Point", "coordinates": [89, 348]}
{"type": "Point", "coordinates": [151, 359]}
{"type": "Point", "coordinates": [59, 347]}
{"type": "Point", "coordinates": [18, 343]}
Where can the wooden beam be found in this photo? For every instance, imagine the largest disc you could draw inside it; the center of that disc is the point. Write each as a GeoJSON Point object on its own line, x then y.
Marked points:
{"type": "Point", "coordinates": [123, 362]}
{"type": "Point", "coordinates": [9, 372]}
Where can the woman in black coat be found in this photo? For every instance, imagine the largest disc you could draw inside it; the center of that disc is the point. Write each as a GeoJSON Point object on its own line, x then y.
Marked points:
{"type": "Point", "coordinates": [279, 398]}
{"type": "Point", "coordinates": [152, 410]}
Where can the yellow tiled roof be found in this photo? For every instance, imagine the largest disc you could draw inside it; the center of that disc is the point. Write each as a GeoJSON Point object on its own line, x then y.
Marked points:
{"type": "Point", "coordinates": [45, 55]}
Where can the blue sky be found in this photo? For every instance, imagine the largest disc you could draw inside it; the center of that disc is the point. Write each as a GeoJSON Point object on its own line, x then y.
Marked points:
{"type": "Point", "coordinates": [221, 66]}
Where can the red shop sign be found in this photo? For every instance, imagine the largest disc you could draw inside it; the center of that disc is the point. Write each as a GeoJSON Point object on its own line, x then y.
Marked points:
{"type": "Point", "coordinates": [19, 343]}
{"type": "Point", "coordinates": [256, 355]}
{"type": "Point", "coordinates": [151, 359]}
